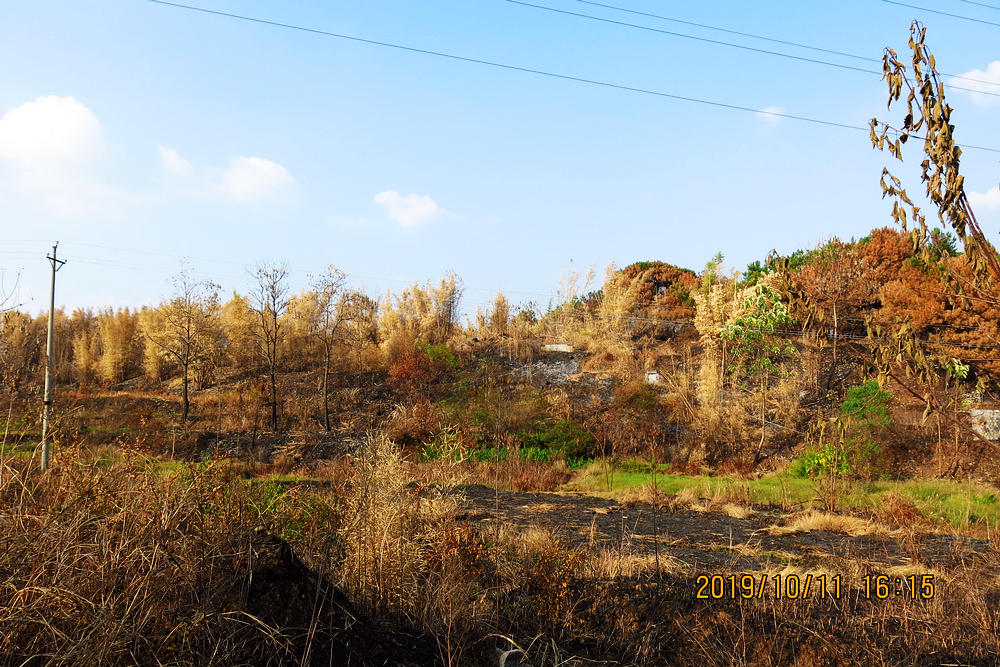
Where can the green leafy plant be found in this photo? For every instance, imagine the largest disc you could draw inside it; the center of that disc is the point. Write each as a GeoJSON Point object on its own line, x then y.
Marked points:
{"type": "Point", "coordinates": [535, 454]}
{"type": "Point", "coordinates": [824, 461]}
{"type": "Point", "coordinates": [854, 450]}
{"type": "Point", "coordinates": [865, 412]}
{"type": "Point", "coordinates": [439, 354]}
{"type": "Point", "coordinates": [483, 454]}
{"type": "Point", "coordinates": [868, 405]}
{"type": "Point", "coordinates": [562, 438]}
{"type": "Point", "coordinates": [751, 327]}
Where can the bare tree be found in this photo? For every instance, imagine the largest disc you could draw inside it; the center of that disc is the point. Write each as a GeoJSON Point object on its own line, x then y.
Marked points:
{"type": "Point", "coordinates": [359, 313]}
{"type": "Point", "coordinates": [180, 328]}
{"type": "Point", "coordinates": [269, 300]}
{"type": "Point", "coordinates": [8, 307]}
{"type": "Point", "coordinates": [325, 320]}
{"type": "Point", "coordinates": [9, 299]}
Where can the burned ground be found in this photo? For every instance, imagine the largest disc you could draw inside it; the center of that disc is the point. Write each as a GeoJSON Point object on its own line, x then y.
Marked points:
{"type": "Point", "coordinates": [707, 540]}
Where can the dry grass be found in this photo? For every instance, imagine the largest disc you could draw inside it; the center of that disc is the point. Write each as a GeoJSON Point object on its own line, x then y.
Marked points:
{"type": "Point", "coordinates": [613, 563]}
{"type": "Point", "coordinates": [644, 494]}
{"type": "Point", "coordinates": [811, 519]}
{"type": "Point", "coordinates": [735, 510]}
{"type": "Point", "coordinates": [731, 500]}
{"type": "Point", "coordinates": [525, 476]}
{"type": "Point", "coordinates": [688, 495]}
{"type": "Point", "coordinates": [897, 510]}
{"type": "Point", "coordinates": [108, 563]}
{"type": "Point", "coordinates": [414, 423]}
{"type": "Point", "coordinates": [111, 564]}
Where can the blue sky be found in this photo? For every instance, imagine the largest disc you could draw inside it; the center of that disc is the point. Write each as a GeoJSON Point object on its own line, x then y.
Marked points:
{"type": "Point", "coordinates": [136, 133]}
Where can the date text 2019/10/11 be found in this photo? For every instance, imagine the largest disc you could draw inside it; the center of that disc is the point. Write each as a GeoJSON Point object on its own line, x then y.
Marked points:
{"type": "Point", "coordinates": [796, 586]}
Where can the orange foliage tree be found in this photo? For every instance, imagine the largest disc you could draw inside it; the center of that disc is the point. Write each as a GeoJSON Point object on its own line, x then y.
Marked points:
{"type": "Point", "coordinates": [833, 281]}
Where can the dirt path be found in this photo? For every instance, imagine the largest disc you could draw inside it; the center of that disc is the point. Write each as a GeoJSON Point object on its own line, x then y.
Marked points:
{"type": "Point", "coordinates": [709, 541]}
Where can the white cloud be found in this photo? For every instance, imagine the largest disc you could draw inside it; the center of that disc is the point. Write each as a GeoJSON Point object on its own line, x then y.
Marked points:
{"type": "Point", "coordinates": [767, 115]}
{"type": "Point", "coordinates": [173, 162]}
{"type": "Point", "coordinates": [987, 200]}
{"type": "Point", "coordinates": [981, 84]}
{"type": "Point", "coordinates": [54, 146]}
{"type": "Point", "coordinates": [409, 210]}
{"type": "Point", "coordinates": [54, 158]}
{"type": "Point", "coordinates": [254, 178]}
{"type": "Point", "coordinates": [50, 132]}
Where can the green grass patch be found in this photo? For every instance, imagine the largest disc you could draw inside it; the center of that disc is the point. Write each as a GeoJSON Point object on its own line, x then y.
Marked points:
{"type": "Point", "coordinates": [781, 489]}
{"type": "Point", "coordinates": [602, 478]}
{"type": "Point", "coordinates": [536, 454]}
{"type": "Point", "coordinates": [168, 468]}
{"type": "Point", "coordinates": [487, 455]}
{"type": "Point", "coordinates": [963, 505]}
{"type": "Point", "coordinates": [21, 448]}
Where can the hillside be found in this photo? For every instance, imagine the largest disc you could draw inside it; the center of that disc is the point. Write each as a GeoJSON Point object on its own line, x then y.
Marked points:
{"type": "Point", "coordinates": [339, 478]}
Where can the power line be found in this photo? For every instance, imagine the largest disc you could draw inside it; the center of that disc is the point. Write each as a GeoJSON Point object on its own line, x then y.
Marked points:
{"type": "Point", "coordinates": [570, 313]}
{"type": "Point", "coordinates": [248, 278]}
{"type": "Point", "coordinates": [936, 325]}
{"type": "Point", "coordinates": [528, 70]}
{"type": "Point", "coordinates": [104, 262]}
{"type": "Point", "coordinates": [781, 41]}
{"type": "Point", "coordinates": [516, 68]}
{"type": "Point", "coordinates": [98, 261]}
{"type": "Point", "coordinates": [161, 254]}
{"type": "Point", "coordinates": [732, 32]}
{"type": "Point", "coordinates": [934, 11]}
{"type": "Point", "coordinates": [749, 48]}
{"type": "Point", "coordinates": [632, 319]}
{"type": "Point", "coordinates": [746, 48]}
{"type": "Point", "coordinates": [693, 37]}
{"type": "Point", "coordinates": [981, 4]}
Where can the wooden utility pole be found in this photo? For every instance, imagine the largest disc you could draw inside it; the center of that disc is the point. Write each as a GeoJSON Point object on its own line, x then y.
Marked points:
{"type": "Point", "coordinates": [56, 265]}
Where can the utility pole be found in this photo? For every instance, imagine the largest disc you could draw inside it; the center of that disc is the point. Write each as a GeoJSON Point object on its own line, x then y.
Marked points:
{"type": "Point", "coordinates": [56, 265]}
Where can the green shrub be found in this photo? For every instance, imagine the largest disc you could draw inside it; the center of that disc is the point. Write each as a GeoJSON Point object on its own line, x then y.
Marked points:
{"type": "Point", "coordinates": [864, 416]}
{"type": "Point", "coordinates": [821, 462]}
{"type": "Point", "coordinates": [867, 408]}
{"type": "Point", "coordinates": [868, 405]}
{"type": "Point", "coordinates": [535, 454]}
{"type": "Point", "coordinates": [488, 455]}
{"type": "Point", "coordinates": [563, 438]}
{"type": "Point", "coordinates": [440, 354]}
